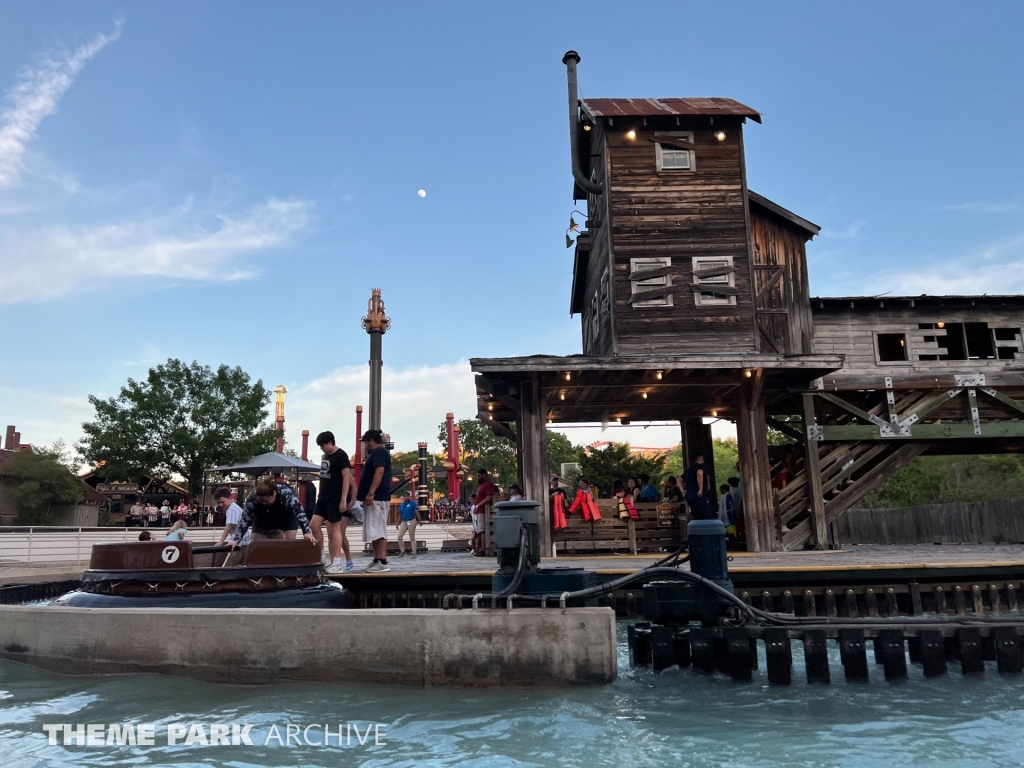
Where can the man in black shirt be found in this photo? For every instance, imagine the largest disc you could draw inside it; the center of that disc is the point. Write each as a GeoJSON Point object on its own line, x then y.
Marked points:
{"type": "Point", "coordinates": [337, 492]}
{"type": "Point", "coordinates": [375, 493]}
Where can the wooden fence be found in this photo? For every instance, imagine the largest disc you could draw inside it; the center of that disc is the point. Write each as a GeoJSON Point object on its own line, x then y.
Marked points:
{"type": "Point", "coordinates": [657, 530]}
{"type": "Point", "coordinates": [985, 522]}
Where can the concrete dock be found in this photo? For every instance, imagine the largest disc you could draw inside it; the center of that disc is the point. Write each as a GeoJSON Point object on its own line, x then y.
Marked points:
{"type": "Point", "coordinates": [422, 647]}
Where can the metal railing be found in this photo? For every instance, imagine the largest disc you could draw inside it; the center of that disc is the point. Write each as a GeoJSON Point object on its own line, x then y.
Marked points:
{"type": "Point", "coordinates": [33, 545]}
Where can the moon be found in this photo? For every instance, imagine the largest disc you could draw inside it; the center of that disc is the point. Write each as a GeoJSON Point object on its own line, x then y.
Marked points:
{"type": "Point", "coordinates": [422, 193]}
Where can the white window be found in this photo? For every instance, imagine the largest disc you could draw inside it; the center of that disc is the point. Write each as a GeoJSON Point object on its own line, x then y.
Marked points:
{"type": "Point", "coordinates": [674, 158]}
{"type": "Point", "coordinates": [640, 284]}
{"type": "Point", "coordinates": [712, 271]}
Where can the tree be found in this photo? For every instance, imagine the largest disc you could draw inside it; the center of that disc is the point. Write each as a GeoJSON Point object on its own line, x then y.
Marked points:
{"type": "Point", "coordinates": [36, 482]}
{"type": "Point", "coordinates": [481, 448]}
{"type": "Point", "coordinates": [182, 420]}
{"type": "Point", "coordinates": [603, 466]}
{"type": "Point", "coordinates": [947, 479]}
{"type": "Point", "coordinates": [726, 457]}
{"type": "Point", "coordinates": [562, 451]}
{"type": "Point", "coordinates": [63, 454]}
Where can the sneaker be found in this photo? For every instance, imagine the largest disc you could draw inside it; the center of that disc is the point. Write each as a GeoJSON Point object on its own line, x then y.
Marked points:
{"type": "Point", "coordinates": [378, 568]}
{"type": "Point", "coordinates": [371, 567]}
{"type": "Point", "coordinates": [335, 568]}
{"type": "Point", "coordinates": [349, 565]}
{"type": "Point", "coordinates": [401, 553]}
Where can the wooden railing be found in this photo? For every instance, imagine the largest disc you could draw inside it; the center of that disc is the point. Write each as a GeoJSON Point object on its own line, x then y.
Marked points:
{"type": "Point", "coordinates": [658, 529]}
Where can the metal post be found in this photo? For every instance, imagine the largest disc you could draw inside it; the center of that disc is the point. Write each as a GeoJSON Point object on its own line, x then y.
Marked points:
{"type": "Point", "coordinates": [78, 547]}
{"type": "Point", "coordinates": [30, 545]}
{"type": "Point", "coordinates": [280, 392]}
{"type": "Point", "coordinates": [376, 323]}
{"type": "Point", "coordinates": [423, 499]}
{"type": "Point", "coordinates": [357, 457]}
{"type": "Point", "coordinates": [452, 465]}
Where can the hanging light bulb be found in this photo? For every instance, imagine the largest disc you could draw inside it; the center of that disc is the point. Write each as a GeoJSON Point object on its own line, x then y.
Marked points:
{"type": "Point", "coordinates": [643, 395]}
{"type": "Point", "coordinates": [747, 373]}
{"type": "Point", "coordinates": [561, 395]}
{"type": "Point", "coordinates": [720, 134]}
{"type": "Point", "coordinates": [631, 135]}
{"type": "Point", "coordinates": [573, 226]}
{"type": "Point", "coordinates": [714, 414]}
{"type": "Point", "coordinates": [568, 375]}
{"type": "Point", "coordinates": [659, 375]}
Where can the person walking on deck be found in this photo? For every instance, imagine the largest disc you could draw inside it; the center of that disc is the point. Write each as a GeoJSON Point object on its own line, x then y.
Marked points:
{"type": "Point", "coordinates": [486, 493]}
{"type": "Point", "coordinates": [337, 492]}
{"type": "Point", "coordinates": [375, 493]}
{"type": "Point", "coordinates": [409, 513]}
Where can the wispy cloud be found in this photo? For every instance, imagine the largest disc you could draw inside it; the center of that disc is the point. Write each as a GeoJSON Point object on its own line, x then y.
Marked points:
{"type": "Point", "coordinates": [35, 97]}
{"type": "Point", "coordinates": [983, 207]}
{"type": "Point", "coordinates": [995, 269]}
{"type": "Point", "coordinates": [415, 401]}
{"type": "Point", "coordinates": [851, 232]}
{"type": "Point", "coordinates": [57, 261]}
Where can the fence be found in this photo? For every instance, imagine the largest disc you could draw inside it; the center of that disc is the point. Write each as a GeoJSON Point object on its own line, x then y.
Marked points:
{"type": "Point", "coordinates": [658, 529]}
{"type": "Point", "coordinates": [984, 522]}
{"type": "Point", "coordinates": [55, 544]}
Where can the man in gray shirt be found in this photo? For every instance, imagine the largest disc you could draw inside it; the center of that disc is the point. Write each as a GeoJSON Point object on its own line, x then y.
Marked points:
{"type": "Point", "coordinates": [232, 513]}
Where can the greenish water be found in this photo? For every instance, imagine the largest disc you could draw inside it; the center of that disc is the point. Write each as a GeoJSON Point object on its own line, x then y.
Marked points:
{"type": "Point", "coordinates": [668, 719]}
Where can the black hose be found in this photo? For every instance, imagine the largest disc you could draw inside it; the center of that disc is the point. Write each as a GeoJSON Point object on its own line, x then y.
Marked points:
{"type": "Point", "coordinates": [517, 579]}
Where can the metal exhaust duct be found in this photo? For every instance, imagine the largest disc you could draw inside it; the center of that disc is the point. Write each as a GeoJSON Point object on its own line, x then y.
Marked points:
{"type": "Point", "coordinates": [571, 59]}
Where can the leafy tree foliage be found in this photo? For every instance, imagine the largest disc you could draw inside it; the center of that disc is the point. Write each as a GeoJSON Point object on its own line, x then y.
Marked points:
{"type": "Point", "coordinates": [37, 482]}
{"type": "Point", "coordinates": [603, 466]}
{"type": "Point", "coordinates": [63, 454]}
{"type": "Point", "coordinates": [946, 479]}
{"type": "Point", "coordinates": [561, 451]}
{"type": "Point", "coordinates": [182, 420]}
{"type": "Point", "coordinates": [726, 457]}
{"type": "Point", "coordinates": [481, 448]}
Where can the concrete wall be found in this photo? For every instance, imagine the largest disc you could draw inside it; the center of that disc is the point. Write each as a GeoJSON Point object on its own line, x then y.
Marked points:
{"type": "Point", "coordinates": [529, 646]}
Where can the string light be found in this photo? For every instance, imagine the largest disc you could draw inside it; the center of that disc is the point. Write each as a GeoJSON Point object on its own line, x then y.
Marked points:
{"type": "Point", "coordinates": [659, 374]}
{"type": "Point", "coordinates": [747, 373]}
{"type": "Point", "coordinates": [630, 135]}
{"type": "Point", "coordinates": [568, 375]}
{"type": "Point", "coordinates": [643, 395]}
{"type": "Point", "coordinates": [561, 395]}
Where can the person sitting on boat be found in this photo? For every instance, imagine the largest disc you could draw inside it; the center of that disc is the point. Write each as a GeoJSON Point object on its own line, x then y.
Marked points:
{"type": "Point", "coordinates": [177, 532]}
{"type": "Point", "coordinates": [271, 506]}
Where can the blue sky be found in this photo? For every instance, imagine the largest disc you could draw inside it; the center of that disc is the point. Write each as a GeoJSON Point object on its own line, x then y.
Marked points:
{"type": "Point", "coordinates": [226, 181]}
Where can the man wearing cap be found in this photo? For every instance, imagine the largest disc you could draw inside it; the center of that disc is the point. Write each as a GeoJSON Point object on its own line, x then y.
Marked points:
{"type": "Point", "coordinates": [375, 493]}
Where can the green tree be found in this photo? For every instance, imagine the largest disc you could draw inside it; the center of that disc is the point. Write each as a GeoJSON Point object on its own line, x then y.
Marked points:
{"type": "Point", "coordinates": [603, 466]}
{"type": "Point", "coordinates": [948, 479]}
{"type": "Point", "coordinates": [37, 482]}
{"type": "Point", "coordinates": [726, 457]}
{"type": "Point", "coordinates": [561, 451]}
{"type": "Point", "coordinates": [482, 448]}
{"type": "Point", "coordinates": [63, 454]}
{"type": "Point", "coordinates": [182, 420]}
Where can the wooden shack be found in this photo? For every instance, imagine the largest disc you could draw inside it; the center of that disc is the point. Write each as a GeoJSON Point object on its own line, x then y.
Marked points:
{"type": "Point", "coordinates": [695, 303]}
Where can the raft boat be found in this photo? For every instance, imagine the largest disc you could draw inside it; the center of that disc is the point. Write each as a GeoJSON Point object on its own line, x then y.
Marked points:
{"type": "Point", "coordinates": [270, 573]}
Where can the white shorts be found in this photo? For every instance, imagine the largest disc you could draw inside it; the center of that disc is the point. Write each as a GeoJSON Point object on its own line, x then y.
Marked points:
{"type": "Point", "coordinates": [479, 521]}
{"type": "Point", "coordinates": [375, 521]}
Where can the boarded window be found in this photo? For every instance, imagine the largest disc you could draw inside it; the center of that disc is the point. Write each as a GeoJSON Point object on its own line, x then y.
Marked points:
{"type": "Point", "coordinates": [953, 342]}
{"type": "Point", "coordinates": [1008, 343]}
{"type": "Point", "coordinates": [640, 285]}
{"type": "Point", "coordinates": [714, 271]}
{"type": "Point", "coordinates": [673, 158]}
{"type": "Point", "coordinates": [892, 347]}
{"type": "Point", "coordinates": [980, 345]}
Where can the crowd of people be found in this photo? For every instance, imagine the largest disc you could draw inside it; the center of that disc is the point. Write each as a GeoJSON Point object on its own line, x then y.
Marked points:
{"type": "Point", "coordinates": [150, 515]}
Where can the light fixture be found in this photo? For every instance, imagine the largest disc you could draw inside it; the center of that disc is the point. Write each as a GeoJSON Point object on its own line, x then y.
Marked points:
{"type": "Point", "coordinates": [658, 375]}
{"type": "Point", "coordinates": [568, 240]}
{"type": "Point", "coordinates": [631, 135]}
{"type": "Point", "coordinates": [643, 395]}
{"type": "Point", "coordinates": [561, 395]}
{"type": "Point", "coordinates": [586, 127]}
{"type": "Point", "coordinates": [748, 373]}
{"type": "Point", "coordinates": [490, 406]}
{"type": "Point", "coordinates": [903, 343]}
{"type": "Point", "coordinates": [940, 325]}
{"type": "Point", "coordinates": [720, 134]}
{"type": "Point", "coordinates": [568, 375]}
{"type": "Point", "coordinates": [573, 226]}
{"type": "Point", "coordinates": [714, 414]}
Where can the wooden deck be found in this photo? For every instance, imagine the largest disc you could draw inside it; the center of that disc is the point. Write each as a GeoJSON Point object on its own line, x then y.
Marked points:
{"type": "Point", "coordinates": [853, 558]}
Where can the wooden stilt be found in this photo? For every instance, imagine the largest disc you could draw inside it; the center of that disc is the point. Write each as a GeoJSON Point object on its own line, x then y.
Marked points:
{"type": "Point", "coordinates": [752, 438]}
{"type": "Point", "coordinates": [812, 465]}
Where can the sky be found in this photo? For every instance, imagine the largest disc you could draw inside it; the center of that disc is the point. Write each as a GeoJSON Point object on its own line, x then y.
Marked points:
{"type": "Point", "coordinates": [225, 182]}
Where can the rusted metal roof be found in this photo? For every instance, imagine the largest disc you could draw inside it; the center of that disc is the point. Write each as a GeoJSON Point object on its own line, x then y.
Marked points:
{"type": "Point", "coordinates": [695, 105]}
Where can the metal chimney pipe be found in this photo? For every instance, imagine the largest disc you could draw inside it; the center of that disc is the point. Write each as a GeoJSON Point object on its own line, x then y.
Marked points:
{"type": "Point", "coordinates": [571, 59]}
{"type": "Point", "coordinates": [305, 445]}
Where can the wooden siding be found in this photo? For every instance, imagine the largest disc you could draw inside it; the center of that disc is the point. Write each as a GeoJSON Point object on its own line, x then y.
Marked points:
{"type": "Point", "coordinates": [601, 343]}
{"type": "Point", "coordinates": [679, 214]}
{"type": "Point", "coordinates": [781, 281]}
{"type": "Point", "coordinates": [852, 334]}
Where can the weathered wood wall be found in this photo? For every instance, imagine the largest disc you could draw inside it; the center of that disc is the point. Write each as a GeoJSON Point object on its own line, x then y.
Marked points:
{"type": "Point", "coordinates": [987, 522]}
{"type": "Point", "coordinates": [679, 214]}
{"type": "Point", "coordinates": [852, 332]}
{"type": "Point", "coordinates": [783, 300]}
{"type": "Point", "coordinates": [602, 340]}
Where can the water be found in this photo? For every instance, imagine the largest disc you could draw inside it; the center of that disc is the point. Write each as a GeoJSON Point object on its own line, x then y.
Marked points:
{"type": "Point", "coordinates": [672, 718]}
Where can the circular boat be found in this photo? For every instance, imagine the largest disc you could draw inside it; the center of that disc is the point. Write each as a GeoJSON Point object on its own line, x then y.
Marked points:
{"type": "Point", "coordinates": [267, 573]}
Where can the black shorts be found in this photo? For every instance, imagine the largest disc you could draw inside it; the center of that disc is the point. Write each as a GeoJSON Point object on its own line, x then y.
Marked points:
{"type": "Point", "coordinates": [263, 527]}
{"type": "Point", "coordinates": [329, 510]}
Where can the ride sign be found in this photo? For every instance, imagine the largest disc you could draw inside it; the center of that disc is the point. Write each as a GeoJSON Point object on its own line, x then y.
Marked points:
{"type": "Point", "coordinates": [170, 554]}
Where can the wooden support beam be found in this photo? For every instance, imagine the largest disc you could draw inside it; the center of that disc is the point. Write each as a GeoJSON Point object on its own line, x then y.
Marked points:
{"type": "Point", "coordinates": [1004, 399]}
{"type": "Point", "coordinates": [752, 437]}
{"type": "Point", "coordinates": [784, 428]}
{"type": "Point", "coordinates": [812, 467]}
{"type": "Point", "coordinates": [873, 479]}
{"type": "Point", "coordinates": [944, 431]}
{"type": "Point", "coordinates": [534, 454]}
